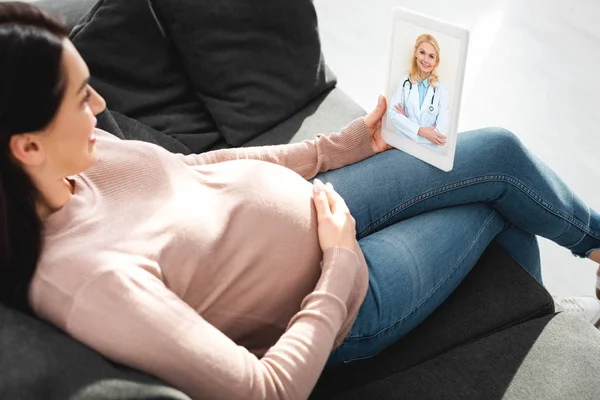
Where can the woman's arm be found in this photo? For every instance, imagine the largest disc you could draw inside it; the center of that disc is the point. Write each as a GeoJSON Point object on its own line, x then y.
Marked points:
{"type": "Point", "coordinates": [351, 145]}
{"type": "Point", "coordinates": [129, 316]}
{"type": "Point", "coordinates": [400, 120]}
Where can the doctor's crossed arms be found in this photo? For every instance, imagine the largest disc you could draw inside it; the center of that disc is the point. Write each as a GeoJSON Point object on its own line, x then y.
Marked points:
{"type": "Point", "coordinates": [428, 132]}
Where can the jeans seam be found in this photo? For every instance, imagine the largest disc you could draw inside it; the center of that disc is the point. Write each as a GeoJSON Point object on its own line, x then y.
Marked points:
{"type": "Point", "coordinates": [432, 291]}
{"type": "Point", "coordinates": [576, 243]}
{"type": "Point", "coordinates": [472, 181]}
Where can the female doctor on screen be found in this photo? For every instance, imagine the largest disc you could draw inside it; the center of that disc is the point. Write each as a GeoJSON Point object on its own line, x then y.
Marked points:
{"type": "Point", "coordinates": [419, 109]}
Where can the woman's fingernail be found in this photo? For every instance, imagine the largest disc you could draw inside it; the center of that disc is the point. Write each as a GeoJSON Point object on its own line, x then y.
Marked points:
{"type": "Point", "coordinates": [318, 186]}
{"type": "Point", "coordinates": [379, 99]}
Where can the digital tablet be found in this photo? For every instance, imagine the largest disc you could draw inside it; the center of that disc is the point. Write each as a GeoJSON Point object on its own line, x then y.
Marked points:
{"type": "Point", "coordinates": [424, 86]}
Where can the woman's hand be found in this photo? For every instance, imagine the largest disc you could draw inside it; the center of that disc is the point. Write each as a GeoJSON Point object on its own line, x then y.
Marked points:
{"type": "Point", "coordinates": [373, 122]}
{"type": "Point", "coordinates": [398, 107]}
{"type": "Point", "coordinates": [336, 226]}
{"type": "Point", "coordinates": [432, 135]}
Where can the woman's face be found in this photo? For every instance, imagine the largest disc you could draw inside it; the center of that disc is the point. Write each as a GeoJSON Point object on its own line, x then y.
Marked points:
{"type": "Point", "coordinates": [67, 145]}
{"type": "Point", "coordinates": [426, 57]}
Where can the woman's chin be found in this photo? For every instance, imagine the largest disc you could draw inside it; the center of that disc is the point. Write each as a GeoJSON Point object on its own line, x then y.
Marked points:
{"type": "Point", "coordinates": [92, 157]}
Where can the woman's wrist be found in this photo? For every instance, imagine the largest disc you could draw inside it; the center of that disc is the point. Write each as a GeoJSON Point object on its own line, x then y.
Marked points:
{"type": "Point", "coordinates": [340, 266]}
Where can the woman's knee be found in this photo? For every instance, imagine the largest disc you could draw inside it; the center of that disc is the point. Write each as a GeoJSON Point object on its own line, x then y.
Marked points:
{"type": "Point", "coordinates": [502, 137]}
{"type": "Point", "coordinates": [499, 142]}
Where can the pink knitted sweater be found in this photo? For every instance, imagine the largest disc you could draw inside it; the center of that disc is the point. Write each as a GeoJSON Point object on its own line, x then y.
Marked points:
{"type": "Point", "coordinates": [204, 270]}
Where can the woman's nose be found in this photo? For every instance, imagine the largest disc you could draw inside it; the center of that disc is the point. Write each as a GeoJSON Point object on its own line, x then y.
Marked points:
{"type": "Point", "coordinates": [99, 104]}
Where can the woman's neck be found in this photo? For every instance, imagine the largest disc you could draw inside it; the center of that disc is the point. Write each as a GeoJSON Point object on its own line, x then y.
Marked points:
{"type": "Point", "coordinates": [53, 197]}
{"type": "Point", "coordinates": [425, 77]}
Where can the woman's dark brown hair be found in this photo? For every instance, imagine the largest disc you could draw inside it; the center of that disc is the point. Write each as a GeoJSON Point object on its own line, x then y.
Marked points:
{"type": "Point", "coordinates": [32, 87]}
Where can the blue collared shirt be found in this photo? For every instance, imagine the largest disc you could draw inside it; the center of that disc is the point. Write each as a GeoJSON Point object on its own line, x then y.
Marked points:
{"type": "Point", "coordinates": [423, 87]}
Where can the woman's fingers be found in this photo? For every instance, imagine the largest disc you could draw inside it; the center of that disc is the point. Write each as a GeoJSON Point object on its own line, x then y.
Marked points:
{"type": "Point", "coordinates": [327, 200]}
{"type": "Point", "coordinates": [335, 225]}
{"type": "Point", "coordinates": [321, 199]}
{"type": "Point", "coordinates": [441, 139]}
{"type": "Point", "coordinates": [337, 203]}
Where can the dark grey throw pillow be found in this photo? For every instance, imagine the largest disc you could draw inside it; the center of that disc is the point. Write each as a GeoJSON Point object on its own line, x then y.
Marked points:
{"type": "Point", "coordinates": [253, 63]}
{"type": "Point", "coordinates": [129, 129]}
{"type": "Point", "coordinates": [135, 67]}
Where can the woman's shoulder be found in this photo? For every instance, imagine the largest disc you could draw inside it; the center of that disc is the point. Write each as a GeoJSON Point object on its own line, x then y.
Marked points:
{"type": "Point", "coordinates": [113, 149]}
{"type": "Point", "coordinates": [105, 135]}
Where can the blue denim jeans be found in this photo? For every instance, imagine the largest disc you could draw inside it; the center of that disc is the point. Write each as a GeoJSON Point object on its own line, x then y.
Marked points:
{"type": "Point", "coordinates": [422, 230]}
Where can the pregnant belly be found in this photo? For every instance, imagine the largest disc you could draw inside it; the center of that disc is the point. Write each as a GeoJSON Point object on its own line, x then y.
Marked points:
{"type": "Point", "coordinates": [270, 258]}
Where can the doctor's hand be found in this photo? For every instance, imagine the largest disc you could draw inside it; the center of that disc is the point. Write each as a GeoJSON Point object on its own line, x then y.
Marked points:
{"type": "Point", "coordinates": [432, 135]}
{"type": "Point", "coordinates": [373, 122]}
{"type": "Point", "coordinates": [400, 109]}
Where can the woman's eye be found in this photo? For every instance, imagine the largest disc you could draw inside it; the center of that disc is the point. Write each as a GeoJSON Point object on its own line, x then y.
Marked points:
{"type": "Point", "coordinates": [87, 96]}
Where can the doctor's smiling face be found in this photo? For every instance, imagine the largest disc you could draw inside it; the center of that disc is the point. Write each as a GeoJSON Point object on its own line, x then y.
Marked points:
{"type": "Point", "coordinates": [426, 57]}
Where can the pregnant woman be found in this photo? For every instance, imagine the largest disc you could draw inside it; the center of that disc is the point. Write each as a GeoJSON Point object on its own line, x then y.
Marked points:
{"type": "Point", "coordinates": [229, 274]}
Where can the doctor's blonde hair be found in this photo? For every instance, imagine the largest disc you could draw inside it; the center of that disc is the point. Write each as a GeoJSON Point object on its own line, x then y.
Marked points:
{"type": "Point", "coordinates": [413, 75]}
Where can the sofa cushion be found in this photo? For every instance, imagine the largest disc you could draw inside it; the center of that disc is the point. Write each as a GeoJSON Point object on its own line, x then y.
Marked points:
{"type": "Point", "coordinates": [135, 68]}
{"type": "Point", "coordinates": [562, 363]}
{"type": "Point", "coordinates": [329, 112]}
{"type": "Point", "coordinates": [253, 63]}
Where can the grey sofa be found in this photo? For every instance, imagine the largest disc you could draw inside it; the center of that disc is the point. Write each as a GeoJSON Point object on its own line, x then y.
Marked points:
{"type": "Point", "coordinates": [495, 337]}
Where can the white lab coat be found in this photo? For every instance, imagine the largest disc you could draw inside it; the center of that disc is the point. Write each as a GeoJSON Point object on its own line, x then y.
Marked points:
{"type": "Point", "coordinates": [420, 116]}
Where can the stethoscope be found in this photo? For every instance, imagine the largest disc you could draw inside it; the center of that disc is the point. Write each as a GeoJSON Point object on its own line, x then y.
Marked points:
{"type": "Point", "coordinates": [431, 107]}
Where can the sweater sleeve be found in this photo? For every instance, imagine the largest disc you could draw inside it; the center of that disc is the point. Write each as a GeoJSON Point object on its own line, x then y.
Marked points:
{"type": "Point", "coordinates": [351, 145]}
{"type": "Point", "coordinates": [131, 317]}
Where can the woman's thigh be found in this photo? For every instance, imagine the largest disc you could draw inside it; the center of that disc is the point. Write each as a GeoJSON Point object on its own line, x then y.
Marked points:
{"type": "Point", "coordinates": [414, 265]}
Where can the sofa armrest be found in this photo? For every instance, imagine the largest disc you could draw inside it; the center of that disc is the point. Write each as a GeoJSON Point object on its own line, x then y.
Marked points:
{"type": "Point", "coordinates": [497, 294]}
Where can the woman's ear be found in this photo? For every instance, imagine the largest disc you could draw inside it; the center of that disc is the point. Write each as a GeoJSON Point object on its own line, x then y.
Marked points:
{"type": "Point", "coordinates": [26, 148]}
